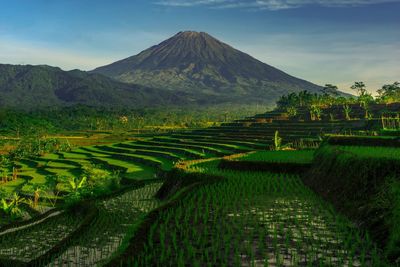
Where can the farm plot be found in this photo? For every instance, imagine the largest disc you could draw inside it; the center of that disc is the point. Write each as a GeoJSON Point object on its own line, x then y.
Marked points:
{"type": "Point", "coordinates": [249, 143]}
{"type": "Point", "coordinates": [206, 150]}
{"type": "Point", "coordinates": [151, 160]}
{"type": "Point", "coordinates": [29, 243]}
{"type": "Point", "coordinates": [182, 152]}
{"type": "Point", "coordinates": [253, 219]}
{"type": "Point", "coordinates": [220, 145]}
{"type": "Point", "coordinates": [105, 234]}
{"type": "Point", "coordinates": [374, 152]}
{"type": "Point", "coordinates": [295, 156]}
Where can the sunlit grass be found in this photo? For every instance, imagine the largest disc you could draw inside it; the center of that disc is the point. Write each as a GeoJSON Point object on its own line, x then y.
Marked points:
{"type": "Point", "coordinates": [289, 156]}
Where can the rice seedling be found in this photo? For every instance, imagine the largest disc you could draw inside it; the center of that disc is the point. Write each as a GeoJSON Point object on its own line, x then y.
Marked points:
{"type": "Point", "coordinates": [107, 231]}
{"type": "Point", "coordinates": [374, 152]}
{"type": "Point", "coordinates": [287, 156]}
{"type": "Point", "coordinates": [31, 242]}
{"type": "Point", "coordinates": [253, 219]}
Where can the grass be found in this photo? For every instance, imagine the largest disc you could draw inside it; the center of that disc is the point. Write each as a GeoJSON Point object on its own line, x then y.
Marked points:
{"type": "Point", "coordinates": [220, 145]}
{"type": "Point", "coordinates": [110, 157]}
{"type": "Point", "coordinates": [13, 186]}
{"type": "Point", "coordinates": [106, 233]}
{"type": "Point", "coordinates": [136, 160]}
{"type": "Point", "coordinates": [287, 156]}
{"type": "Point", "coordinates": [182, 152]}
{"type": "Point", "coordinates": [31, 242]}
{"type": "Point", "coordinates": [251, 219]}
{"type": "Point", "coordinates": [362, 183]}
{"type": "Point", "coordinates": [374, 152]}
{"type": "Point", "coordinates": [207, 151]}
{"type": "Point", "coordinates": [248, 218]}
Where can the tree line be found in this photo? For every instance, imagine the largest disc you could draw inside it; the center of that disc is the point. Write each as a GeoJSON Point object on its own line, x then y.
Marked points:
{"type": "Point", "coordinates": [84, 118]}
{"type": "Point", "coordinates": [314, 103]}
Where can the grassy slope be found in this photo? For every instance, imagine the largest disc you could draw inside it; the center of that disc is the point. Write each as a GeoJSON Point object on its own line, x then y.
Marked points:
{"type": "Point", "coordinates": [296, 156]}
{"type": "Point", "coordinates": [362, 182]}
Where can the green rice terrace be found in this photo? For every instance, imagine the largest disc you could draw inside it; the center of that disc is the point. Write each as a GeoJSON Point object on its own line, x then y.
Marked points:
{"type": "Point", "coordinates": [267, 190]}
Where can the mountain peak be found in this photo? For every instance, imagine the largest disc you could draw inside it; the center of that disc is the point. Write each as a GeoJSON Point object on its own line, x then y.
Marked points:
{"type": "Point", "coordinates": [191, 34]}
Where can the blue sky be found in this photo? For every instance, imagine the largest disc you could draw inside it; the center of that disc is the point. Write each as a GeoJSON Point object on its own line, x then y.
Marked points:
{"type": "Point", "coordinates": [323, 41]}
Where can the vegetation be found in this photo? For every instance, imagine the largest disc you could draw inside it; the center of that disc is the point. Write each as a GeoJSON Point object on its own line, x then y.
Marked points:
{"type": "Point", "coordinates": [249, 218]}
{"type": "Point", "coordinates": [242, 192]}
{"type": "Point", "coordinates": [318, 104]}
{"type": "Point", "coordinates": [389, 93]}
{"type": "Point", "coordinates": [363, 183]}
{"type": "Point", "coordinates": [295, 156]}
{"type": "Point", "coordinates": [277, 141]}
{"type": "Point", "coordinates": [82, 118]}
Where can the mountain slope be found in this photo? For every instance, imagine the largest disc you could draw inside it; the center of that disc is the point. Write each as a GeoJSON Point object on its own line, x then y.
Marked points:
{"type": "Point", "coordinates": [27, 87]}
{"type": "Point", "coordinates": [197, 63]}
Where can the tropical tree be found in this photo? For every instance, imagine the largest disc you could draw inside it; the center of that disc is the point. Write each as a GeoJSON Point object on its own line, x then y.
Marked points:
{"type": "Point", "coordinates": [329, 94]}
{"type": "Point", "coordinates": [364, 98]}
{"type": "Point", "coordinates": [315, 112]}
{"type": "Point", "coordinates": [346, 110]}
{"type": "Point", "coordinates": [364, 101]}
{"type": "Point", "coordinates": [330, 90]}
{"type": "Point", "coordinates": [305, 98]}
{"type": "Point", "coordinates": [291, 111]}
{"type": "Point", "coordinates": [360, 88]}
{"type": "Point", "coordinates": [389, 93]}
{"type": "Point", "coordinates": [287, 101]}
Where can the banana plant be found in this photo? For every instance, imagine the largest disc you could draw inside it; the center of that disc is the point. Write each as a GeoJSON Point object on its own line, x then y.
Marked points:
{"type": "Point", "coordinates": [12, 207]}
{"type": "Point", "coordinates": [277, 141]}
{"type": "Point", "coordinates": [347, 110]}
{"type": "Point", "coordinates": [5, 206]}
{"type": "Point", "coordinates": [77, 184]}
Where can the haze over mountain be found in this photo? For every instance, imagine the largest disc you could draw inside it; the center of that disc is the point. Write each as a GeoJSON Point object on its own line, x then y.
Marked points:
{"type": "Point", "coordinates": [200, 65]}
{"type": "Point", "coordinates": [29, 87]}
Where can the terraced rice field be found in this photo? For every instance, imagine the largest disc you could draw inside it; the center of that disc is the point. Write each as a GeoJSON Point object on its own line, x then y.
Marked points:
{"type": "Point", "coordinates": [248, 219]}
{"type": "Point", "coordinates": [375, 152]}
{"type": "Point", "coordinates": [253, 219]}
{"type": "Point", "coordinates": [137, 160]}
{"type": "Point", "coordinates": [107, 231]}
{"type": "Point", "coordinates": [297, 156]}
{"type": "Point", "coordinates": [101, 238]}
{"type": "Point", "coordinates": [31, 242]}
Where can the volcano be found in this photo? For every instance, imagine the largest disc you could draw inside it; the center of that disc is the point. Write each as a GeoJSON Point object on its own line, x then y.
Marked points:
{"type": "Point", "coordinates": [199, 65]}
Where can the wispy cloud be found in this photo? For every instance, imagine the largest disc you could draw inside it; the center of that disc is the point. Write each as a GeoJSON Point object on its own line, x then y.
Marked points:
{"type": "Point", "coordinates": [268, 4]}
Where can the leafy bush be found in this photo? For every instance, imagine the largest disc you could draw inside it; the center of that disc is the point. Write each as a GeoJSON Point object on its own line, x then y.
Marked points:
{"type": "Point", "coordinates": [92, 183]}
